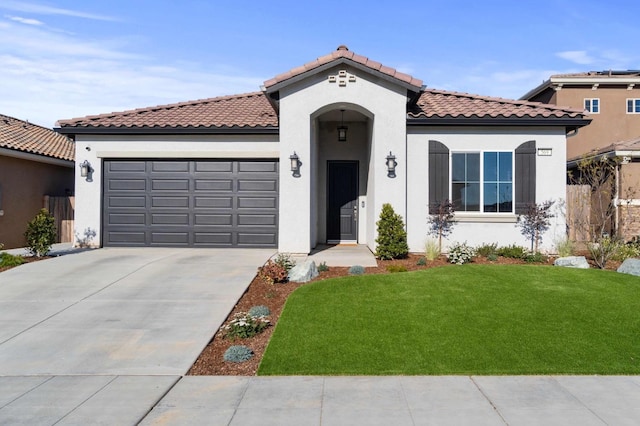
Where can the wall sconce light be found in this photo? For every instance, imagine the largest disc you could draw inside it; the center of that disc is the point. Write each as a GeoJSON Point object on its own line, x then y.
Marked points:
{"type": "Point", "coordinates": [342, 129]}
{"type": "Point", "coordinates": [295, 164]}
{"type": "Point", "coordinates": [391, 165]}
{"type": "Point", "coordinates": [86, 171]}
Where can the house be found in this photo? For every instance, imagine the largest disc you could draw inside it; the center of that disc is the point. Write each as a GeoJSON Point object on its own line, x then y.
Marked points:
{"type": "Point", "coordinates": [34, 162]}
{"type": "Point", "coordinates": [312, 157]}
{"type": "Point", "coordinates": [612, 101]}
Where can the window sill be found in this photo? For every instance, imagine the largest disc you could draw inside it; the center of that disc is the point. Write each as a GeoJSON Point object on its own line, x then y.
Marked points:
{"type": "Point", "coordinates": [486, 217]}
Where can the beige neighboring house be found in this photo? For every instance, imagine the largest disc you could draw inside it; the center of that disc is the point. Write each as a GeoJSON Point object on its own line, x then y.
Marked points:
{"type": "Point", "coordinates": [34, 162]}
{"type": "Point", "coordinates": [612, 101]}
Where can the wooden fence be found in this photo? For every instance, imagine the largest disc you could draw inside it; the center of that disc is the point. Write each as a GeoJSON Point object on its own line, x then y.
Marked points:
{"type": "Point", "coordinates": [62, 209]}
{"type": "Point", "coordinates": [579, 212]}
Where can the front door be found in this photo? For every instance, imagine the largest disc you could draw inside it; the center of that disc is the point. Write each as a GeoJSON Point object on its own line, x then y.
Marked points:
{"type": "Point", "coordinates": [342, 201]}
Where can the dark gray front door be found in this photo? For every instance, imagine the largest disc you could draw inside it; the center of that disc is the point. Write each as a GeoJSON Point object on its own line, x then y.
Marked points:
{"type": "Point", "coordinates": [342, 200]}
{"type": "Point", "coordinates": [190, 203]}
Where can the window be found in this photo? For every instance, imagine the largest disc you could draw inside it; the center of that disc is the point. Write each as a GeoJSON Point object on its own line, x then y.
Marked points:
{"type": "Point", "coordinates": [633, 106]}
{"type": "Point", "coordinates": [592, 105]}
{"type": "Point", "coordinates": [482, 182]}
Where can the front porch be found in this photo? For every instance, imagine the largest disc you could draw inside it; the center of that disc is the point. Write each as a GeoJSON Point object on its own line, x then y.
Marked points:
{"type": "Point", "coordinates": [340, 255]}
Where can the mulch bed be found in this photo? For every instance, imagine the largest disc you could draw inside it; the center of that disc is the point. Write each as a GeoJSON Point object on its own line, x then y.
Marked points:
{"type": "Point", "coordinates": [211, 362]}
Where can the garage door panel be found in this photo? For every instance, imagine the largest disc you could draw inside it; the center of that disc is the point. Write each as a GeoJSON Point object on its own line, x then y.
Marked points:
{"type": "Point", "coordinates": [204, 203]}
{"type": "Point", "coordinates": [214, 185]}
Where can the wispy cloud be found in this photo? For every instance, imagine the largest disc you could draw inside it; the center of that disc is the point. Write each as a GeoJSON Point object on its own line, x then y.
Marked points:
{"type": "Point", "coordinates": [26, 21]}
{"type": "Point", "coordinates": [580, 57]}
{"type": "Point", "coordinates": [40, 9]}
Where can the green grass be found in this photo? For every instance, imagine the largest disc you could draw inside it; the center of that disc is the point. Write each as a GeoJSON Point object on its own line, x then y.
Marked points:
{"type": "Point", "coordinates": [471, 319]}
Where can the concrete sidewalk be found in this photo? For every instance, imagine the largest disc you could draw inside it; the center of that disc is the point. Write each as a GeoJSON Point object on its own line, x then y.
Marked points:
{"type": "Point", "coordinates": [398, 401]}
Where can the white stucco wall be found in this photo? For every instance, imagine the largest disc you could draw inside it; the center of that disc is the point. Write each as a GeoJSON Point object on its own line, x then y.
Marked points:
{"type": "Point", "coordinates": [477, 229]}
{"type": "Point", "coordinates": [384, 103]}
{"type": "Point", "coordinates": [95, 148]}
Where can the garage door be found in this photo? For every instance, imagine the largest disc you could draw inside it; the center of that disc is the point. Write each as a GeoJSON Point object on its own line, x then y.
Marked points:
{"type": "Point", "coordinates": [201, 203]}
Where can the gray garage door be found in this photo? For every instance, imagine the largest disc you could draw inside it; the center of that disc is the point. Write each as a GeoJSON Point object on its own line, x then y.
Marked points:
{"type": "Point", "coordinates": [201, 203]}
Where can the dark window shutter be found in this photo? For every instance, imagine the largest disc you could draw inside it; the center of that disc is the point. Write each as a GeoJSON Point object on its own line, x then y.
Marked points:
{"type": "Point", "coordinates": [525, 176]}
{"type": "Point", "coordinates": [438, 175]}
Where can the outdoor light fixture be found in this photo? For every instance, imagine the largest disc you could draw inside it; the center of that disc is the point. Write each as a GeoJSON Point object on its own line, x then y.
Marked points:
{"type": "Point", "coordinates": [391, 165]}
{"type": "Point", "coordinates": [295, 164]}
{"type": "Point", "coordinates": [342, 129]}
{"type": "Point", "coordinates": [86, 170]}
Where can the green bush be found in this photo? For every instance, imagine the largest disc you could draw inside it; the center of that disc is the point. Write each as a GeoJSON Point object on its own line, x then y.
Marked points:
{"type": "Point", "coordinates": [238, 353]}
{"type": "Point", "coordinates": [626, 251]}
{"type": "Point", "coordinates": [356, 270]}
{"type": "Point", "coordinates": [7, 259]}
{"type": "Point", "coordinates": [487, 249]}
{"type": "Point", "coordinates": [431, 249]}
{"type": "Point", "coordinates": [492, 257]}
{"type": "Point", "coordinates": [421, 262]}
{"type": "Point", "coordinates": [392, 237]}
{"type": "Point", "coordinates": [244, 326]}
{"type": "Point", "coordinates": [605, 249]}
{"type": "Point", "coordinates": [513, 251]}
{"type": "Point", "coordinates": [284, 260]}
{"type": "Point", "coordinates": [564, 247]}
{"type": "Point", "coordinates": [323, 267]}
{"type": "Point", "coordinates": [41, 233]}
{"type": "Point", "coordinates": [461, 253]}
{"type": "Point", "coordinates": [396, 268]}
{"type": "Point", "coordinates": [536, 258]}
{"type": "Point", "coordinates": [259, 311]}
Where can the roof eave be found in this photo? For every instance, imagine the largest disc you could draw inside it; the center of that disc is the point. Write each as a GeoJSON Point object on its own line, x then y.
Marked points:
{"type": "Point", "coordinates": [39, 158]}
{"type": "Point", "coordinates": [572, 123]}
{"type": "Point", "coordinates": [109, 130]}
{"type": "Point", "coordinates": [536, 90]}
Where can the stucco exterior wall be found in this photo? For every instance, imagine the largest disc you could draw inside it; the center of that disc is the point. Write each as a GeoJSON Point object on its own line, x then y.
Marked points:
{"type": "Point", "coordinates": [96, 148]}
{"type": "Point", "coordinates": [383, 102]}
{"type": "Point", "coordinates": [476, 228]}
{"type": "Point", "coordinates": [23, 184]}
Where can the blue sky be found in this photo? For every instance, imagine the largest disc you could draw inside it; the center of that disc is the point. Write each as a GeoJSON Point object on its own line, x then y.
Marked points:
{"type": "Point", "coordinates": [62, 59]}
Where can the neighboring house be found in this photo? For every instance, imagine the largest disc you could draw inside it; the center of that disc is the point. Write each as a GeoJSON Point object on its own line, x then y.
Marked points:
{"type": "Point", "coordinates": [612, 101]}
{"type": "Point", "coordinates": [312, 158]}
{"type": "Point", "coordinates": [34, 162]}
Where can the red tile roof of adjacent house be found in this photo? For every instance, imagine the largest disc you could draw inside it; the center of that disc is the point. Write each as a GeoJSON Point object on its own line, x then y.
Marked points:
{"type": "Point", "coordinates": [30, 138]}
{"type": "Point", "coordinates": [444, 104]}
{"type": "Point", "coordinates": [344, 52]}
{"type": "Point", "coordinates": [248, 110]}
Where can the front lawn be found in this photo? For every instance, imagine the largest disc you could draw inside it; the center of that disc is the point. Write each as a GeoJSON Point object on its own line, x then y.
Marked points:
{"type": "Point", "coordinates": [471, 319]}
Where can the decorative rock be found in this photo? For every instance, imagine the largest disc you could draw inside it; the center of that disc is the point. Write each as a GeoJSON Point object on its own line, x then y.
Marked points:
{"type": "Point", "coordinates": [303, 272]}
{"type": "Point", "coordinates": [572, 262]}
{"type": "Point", "coordinates": [630, 266]}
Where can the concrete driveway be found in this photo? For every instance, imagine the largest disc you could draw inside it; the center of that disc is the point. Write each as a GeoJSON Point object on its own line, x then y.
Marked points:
{"type": "Point", "coordinates": [84, 324]}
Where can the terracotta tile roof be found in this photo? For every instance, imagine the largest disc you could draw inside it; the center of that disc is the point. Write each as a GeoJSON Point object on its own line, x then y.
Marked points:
{"type": "Point", "coordinates": [344, 52]}
{"type": "Point", "coordinates": [246, 110]}
{"type": "Point", "coordinates": [444, 104]}
{"type": "Point", "coordinates": [27, 137]}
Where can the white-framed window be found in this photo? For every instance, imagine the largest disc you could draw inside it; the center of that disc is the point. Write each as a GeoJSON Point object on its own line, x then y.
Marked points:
{"type": "Point", "coordinates": [482, 181]}
{"type": "Point", "coordinates": [592, 105]}
{"type": "Point", "coordinates": [633, 106]}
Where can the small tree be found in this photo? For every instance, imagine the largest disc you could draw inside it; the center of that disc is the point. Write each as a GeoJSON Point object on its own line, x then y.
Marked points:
{"type": "Point", "coordinates": [392, 237]}
{"type": "Point", "coordinates": [41, 233]}
{"type": "Point", "coordinates": [535, 222]}
{"type": "Point", "coordinates": [442, 221]}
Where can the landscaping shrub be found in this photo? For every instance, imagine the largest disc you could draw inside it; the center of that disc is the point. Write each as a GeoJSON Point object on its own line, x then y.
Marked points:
{"type": "Point", "coordinates": [7, 259]}
{"type": "Point", "coordinates": [284, 260]}
{"type": "Point", "coordinates": [441, 221]}
{"type": "Point", "coordinates": [323, 267]}
{"type": "Point", "coordinates": [513, 251]}
{"type": "Point", "coordinates": [487, 250]}
{"type": "Point", "coordinates": [356, 270]}
{"type": "Point", "coordinates": [564, 247]}
{"type": "Point", "coordinates": [536, 258]}
{"type": "Point", "coordinates": [431, 249]}
{"type": "Point", "coordinates": [41, 233]}
{"type": "Point", "coordinates": [238, 353]}
{"type": "Point", "coordinates": [421, 262]}
{"type": "Point", "coordinates": [605, 249]}
{"type": "Point", "coordinates": [626, 251]}
{"type": "Point", "coordinates": [535, 222]}
{"type": "Point", "coordinates": [396, 268]}
{"type": "Point", "coordinates": [492, 257]}
{"type": "Point", "coordinates": [392, 237]}
{"type": "Point", "coordinates": [461, 253]}
{"type": "Point", "coordinates": [243, 325]}
{"type": "Point", "coordinates": [272, 273]}
{"type": "Point", "coordinates": [259, 311]}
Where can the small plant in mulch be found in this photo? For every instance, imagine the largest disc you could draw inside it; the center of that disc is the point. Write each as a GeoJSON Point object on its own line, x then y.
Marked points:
{"type": "Point", "coordinates": [9, 260]}
{"type": "Point", "coordinates": [356, 270]}
{"type": "Point", "coordinates": [322, 267]}
{"type": "Point", "coordinates": [259, 311]}
{"type": "Point", "coordinates": [273, 273]}
{"type": "Point", "coordinates": [396, 268]}
{"type": "Point", "coordinates": [238, 353]}
{"type": "Point", "coordinates": [243, 325]}
{"type": "Point", "coordinates": [421, 262]}
{"type": "Point", "coordinates": [461, 253]}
